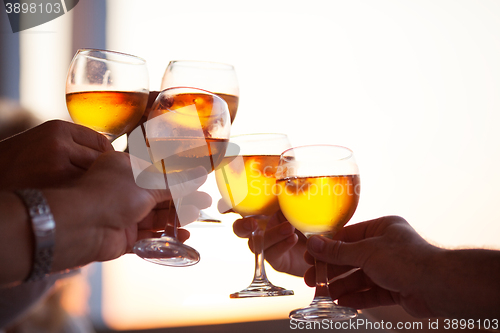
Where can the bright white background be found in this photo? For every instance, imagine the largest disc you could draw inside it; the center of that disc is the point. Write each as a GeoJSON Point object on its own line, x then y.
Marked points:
{"type": "Point", "coordinates": [413, 87]}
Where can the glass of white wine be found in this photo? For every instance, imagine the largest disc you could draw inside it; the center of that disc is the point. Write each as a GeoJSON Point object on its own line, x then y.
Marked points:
{"type": "Point", "coordinates": [218, 78]}
{"type": "Point", "coordinates": [107, 91]}
{"type": "Point", "coordinates": [246, 181]}
{"type": "Point", "coordinates": [318, 190]}
{"type": "Point", "coordinates": [186, 128]}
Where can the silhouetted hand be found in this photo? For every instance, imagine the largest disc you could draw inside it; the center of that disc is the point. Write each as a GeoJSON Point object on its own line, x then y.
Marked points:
{"type": "Point", "coordinates": [52, 154]}
{"type": "Point", "coordinates": [284, 247]}
{"type": "Point", "coordinates": [397, 266]}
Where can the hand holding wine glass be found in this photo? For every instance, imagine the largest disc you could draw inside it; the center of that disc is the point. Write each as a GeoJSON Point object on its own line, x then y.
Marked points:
{"type": "Point", "coordinates": [398, 266]}
{"type": "Point", "coordinates": [318, 192]}
{"type": "Point", "coordinates": [284, 246]}
{"type": "Point", "coordinates": [187, 128]}
{"type": "Point", "coordinates": [107, 91]}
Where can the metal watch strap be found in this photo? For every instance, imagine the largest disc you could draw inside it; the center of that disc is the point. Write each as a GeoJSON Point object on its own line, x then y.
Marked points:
{"type": "Point", "coordinates": [44, 226]}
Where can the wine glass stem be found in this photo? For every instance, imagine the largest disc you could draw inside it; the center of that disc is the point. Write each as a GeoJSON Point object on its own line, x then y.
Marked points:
{"type": "Point", "coordinates": [321, 279]}
{"type": "Point", "coordinates": [171, 229]}
{"type": "Point", "coordinates": [258, 247]}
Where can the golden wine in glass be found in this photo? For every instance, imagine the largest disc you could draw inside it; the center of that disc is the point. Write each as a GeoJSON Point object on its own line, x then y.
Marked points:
{"type": "Point", "coordinates": [107, 91]}
{"type": "Point", "coordinates": [321, 204]}
{"type": "Point", "coordinates": [257, 174]}
{"type": "Point", "coordinates": [247, 184]}
{"type": "Point", "coordinates": [318, 189]}
{"type": "Point", "coordinates": [186, 128]}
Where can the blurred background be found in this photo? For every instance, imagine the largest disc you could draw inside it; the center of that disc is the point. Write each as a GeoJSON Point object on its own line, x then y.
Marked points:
{"type": "Point", "coordinates": [413, 87]}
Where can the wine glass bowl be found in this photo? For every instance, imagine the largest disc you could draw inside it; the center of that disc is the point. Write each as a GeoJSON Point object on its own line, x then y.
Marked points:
{"type": "Point", "coordinates": [107, 91]}
{"type": "Point", "coordinates": [186, 128]}
{"type": "Point", "coordinates": [318, 190]}
{"type": "Point", "coordinates": [218, 78]}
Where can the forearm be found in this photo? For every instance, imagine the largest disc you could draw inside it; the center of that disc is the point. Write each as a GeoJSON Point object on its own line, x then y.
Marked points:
{"type": "Point", "coordinates": [466, 284]}
{"type": "Point", "coordinates": [73, 217]}
{"type": "Point", "coordinates": [16, 239]}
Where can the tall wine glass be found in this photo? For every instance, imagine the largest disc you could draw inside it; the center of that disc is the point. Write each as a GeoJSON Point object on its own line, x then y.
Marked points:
{"type": "Point", "coordinates": [186, 128]}
{"type": "Point", "coordinates": [318, 191]}
{"type": "Point", "coordinates": [246, 184]}
{"type": "Point", "coordinates": [218, 78]}
{"type": "Point", "coordinates": [107, 91]}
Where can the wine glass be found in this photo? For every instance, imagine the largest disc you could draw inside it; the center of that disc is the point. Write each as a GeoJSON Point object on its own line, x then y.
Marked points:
{"type": "Point", "coordinates": [246, 183]}
{"type": "Point", "coordinates": [186, 128]}
{"type": "Point", "coordinates": [107, 91]}
{"type": "Point", "coordinates": [218, 78]}
{"type": "Point", "coordinates": [318, 191]}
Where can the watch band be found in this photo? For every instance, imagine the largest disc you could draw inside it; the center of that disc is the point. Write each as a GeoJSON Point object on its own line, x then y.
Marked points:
{"type": "Point", "coordinates": [44, 228]}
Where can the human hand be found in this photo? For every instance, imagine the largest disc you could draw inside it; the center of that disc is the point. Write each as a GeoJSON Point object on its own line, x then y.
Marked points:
{"type": "Point", "coordinates": [112, 211]}
{"type": "Point", "coordinates": [284, 247]}
{"type": "Point", "coordinates": [394, 264]}
{"type": "Point", "coordinates": [52, 154]}
{"type": "Point", "coordinates": [154, 224]}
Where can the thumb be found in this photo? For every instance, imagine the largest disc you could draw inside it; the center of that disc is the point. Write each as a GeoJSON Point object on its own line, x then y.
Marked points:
{"type": "Point", "coordinates": [223, 207]}
{"type": "Point", "coordinates": [339, 253]}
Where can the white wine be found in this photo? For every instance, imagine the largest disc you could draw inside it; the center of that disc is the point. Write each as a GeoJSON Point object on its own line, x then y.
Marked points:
{"type": "Point", "coordinates": [318, 205]}
{"type": "Point", "coordinates": [248, 187]}
{"type": "Point", "coordinates": [232, 103]}
{"type": "Point", "coordinates": [109, 112]}
{"type": "Point", "coordinates": [190, 111]}
{"type": "Point", "coordinates": [182, 153]}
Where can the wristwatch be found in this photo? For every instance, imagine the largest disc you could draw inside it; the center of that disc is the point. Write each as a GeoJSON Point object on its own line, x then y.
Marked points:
{"type": "Point", "coordinates": [44, 228]}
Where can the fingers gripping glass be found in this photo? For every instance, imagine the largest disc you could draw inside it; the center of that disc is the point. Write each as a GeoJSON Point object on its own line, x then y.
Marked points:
{"type": "Point", "coordinates": [186, 128]}
{"type": "Point", "coordinates": [107, 91]}
{"type": "Point", "coordinates": [246, 184]}
{"type": "Point", "coordinates": [318, 192]}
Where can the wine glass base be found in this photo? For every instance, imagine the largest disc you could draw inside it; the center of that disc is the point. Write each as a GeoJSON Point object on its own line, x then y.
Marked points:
{"type": "Point", "coordinates": [166, 251]}
{"type": "Point", "coordinates": [319, 311]}
{"type": "Point", "coordinates": [261, 290]}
